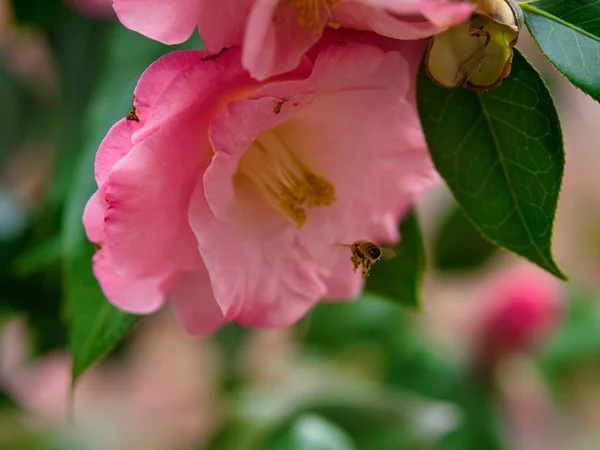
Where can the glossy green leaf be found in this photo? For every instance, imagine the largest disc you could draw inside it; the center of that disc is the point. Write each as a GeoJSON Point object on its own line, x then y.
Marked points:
{"type": "Point", "coordinates": [458, 245]}
{"type": "Point", "coordinates": [501, 154]}
{"type": "Point", "coordinates": [399, 279]}
{"type": "Point", "coordinates": [568, 33]}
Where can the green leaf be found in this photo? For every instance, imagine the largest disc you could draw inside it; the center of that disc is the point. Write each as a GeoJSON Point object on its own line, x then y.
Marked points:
{"type": "Point", "coordinates": [458, 245]}
{"type": "Point", "coordinates": [568, 33]}
{"type": "Point", "coordinates": [501, 154]}
{"type": "Point", "coordinates": [399, 279]}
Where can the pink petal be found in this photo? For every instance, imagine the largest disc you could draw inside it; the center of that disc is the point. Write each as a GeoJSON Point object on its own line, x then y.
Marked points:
{"type": "Point", "coordinates": [444, 14]}
{"type": "Point", "coordinates": [134, 295]}
{"type": "Point", "coordinates": [339, 285]}
{"type": "Point", "coordinates": [93, 218]}
{"type": "Point", "coordinates": [170, 22]}
{"type": "Point", "coordinates": [274, 41]}
{"type": "Point", "coordinates": [203, 82]}
{"type": "Point", "coordinates": [259, 277]}
{"type": "Point", "coordinates": [148, 193]}
{"type": "Point", "coordinates": [113, 148]}
{"type": "Point", "coordinates": [158, 76]}
{"type": "Point", "coordinates": [404, 19]}
{"type": "Point", "coordinates": [222, 23]}
{"type": "Point", "coordinates": [193, 303]}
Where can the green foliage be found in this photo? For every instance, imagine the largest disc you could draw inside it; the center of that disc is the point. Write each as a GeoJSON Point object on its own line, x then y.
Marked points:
{"type": "Point", "coordinates": [576, 342]}
{"type": "Point", "coordinates": [458, 245]}
{"type": "Point", "coordinates": [568, 33]}
{"type": "Point", "coordinates": [311, 432]}
{"type": "Point", "coordinates": [374, 327]}
{"type": "Point", "coordinates": [44, 14]}
{"type": "Point", "coordinates": [399, 279]}
{"type": "Point", "coordinates": [501, 154]}
{"type": "Point", "coordinates": [482, 424]}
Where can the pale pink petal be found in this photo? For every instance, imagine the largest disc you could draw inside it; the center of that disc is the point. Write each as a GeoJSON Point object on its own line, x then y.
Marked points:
{"type": "Point", "coordinates": [274, 41]}
{"type": "Point", "coordinates": [134, 295]}
{"type": "Point", "coordinates": [259, 276]}
{"type": "Point", "coordinates": [148, 193]}
{"type": "Point", "coordinates": [403, 19]}
{"type": "Point", "coordinates": [339, 285]}
{"type": "Point", "coordinates": [170, 22]}
{"type": "Point", "coordinates": [193, 303]}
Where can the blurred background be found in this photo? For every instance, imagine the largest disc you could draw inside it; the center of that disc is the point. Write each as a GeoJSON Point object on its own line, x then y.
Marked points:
{"type": "Point", "coordinates": [501, 356]}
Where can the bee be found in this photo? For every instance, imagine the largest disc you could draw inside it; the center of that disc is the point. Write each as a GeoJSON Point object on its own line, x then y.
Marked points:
{"type": "Point", "coordinates": [366, 253]}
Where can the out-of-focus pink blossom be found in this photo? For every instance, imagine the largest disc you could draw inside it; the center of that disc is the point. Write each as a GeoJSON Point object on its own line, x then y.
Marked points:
{"type": "Point", "coordinates": [523, 304]}
{"type": "Point", "coordinates": [228, 196]}
{"type": "Point", "coordinates": [276, 33]}
{"type": "Point", "coordinates": [99, 9]}
{"type": "Point", "coordinates": [153, 399]}
{"type": "Point", "coordinates": [5, 21]}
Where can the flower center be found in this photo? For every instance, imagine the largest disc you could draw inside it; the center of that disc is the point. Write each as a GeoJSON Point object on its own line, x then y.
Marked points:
{"type": "Point", "coordinates": [287, 183]}
{"type": "Point", "coordinates": [309, 12]}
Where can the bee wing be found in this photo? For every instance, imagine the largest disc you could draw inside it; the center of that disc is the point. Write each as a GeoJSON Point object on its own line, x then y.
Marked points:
{"type": "Point", "coordinates": [387, 253]}
{"type": "Point", "coordinates": [341, 245]}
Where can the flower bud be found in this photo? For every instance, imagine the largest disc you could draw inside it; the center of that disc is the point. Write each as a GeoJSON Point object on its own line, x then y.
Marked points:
{"type": "Point", "coordinates": [476, 54]}
{"type": "Point", "coordinates": [523, 306]}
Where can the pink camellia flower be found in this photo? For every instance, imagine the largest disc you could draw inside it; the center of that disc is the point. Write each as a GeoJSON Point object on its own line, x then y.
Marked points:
{"type": "Point", "coordinates": [228, 196]}
{"type": "Point", "coordinates": [524, 304]}
{"type": "Point", "coordinates": [276, 33]}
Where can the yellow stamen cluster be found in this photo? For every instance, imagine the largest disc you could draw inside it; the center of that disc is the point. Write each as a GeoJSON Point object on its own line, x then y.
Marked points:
{"type": "Point", "coordinates": [286, 182]}
{"type": "Point", "coordinates": [310, 12]}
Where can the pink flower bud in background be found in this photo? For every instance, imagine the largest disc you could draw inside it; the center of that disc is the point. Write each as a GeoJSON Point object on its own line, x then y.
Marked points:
{"type": "Point", "coordinates": [523, 307]}
{"type": "Point", "coordinates": [5, 21]}
{"type": "Point", "coordinates": [98, 9]}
